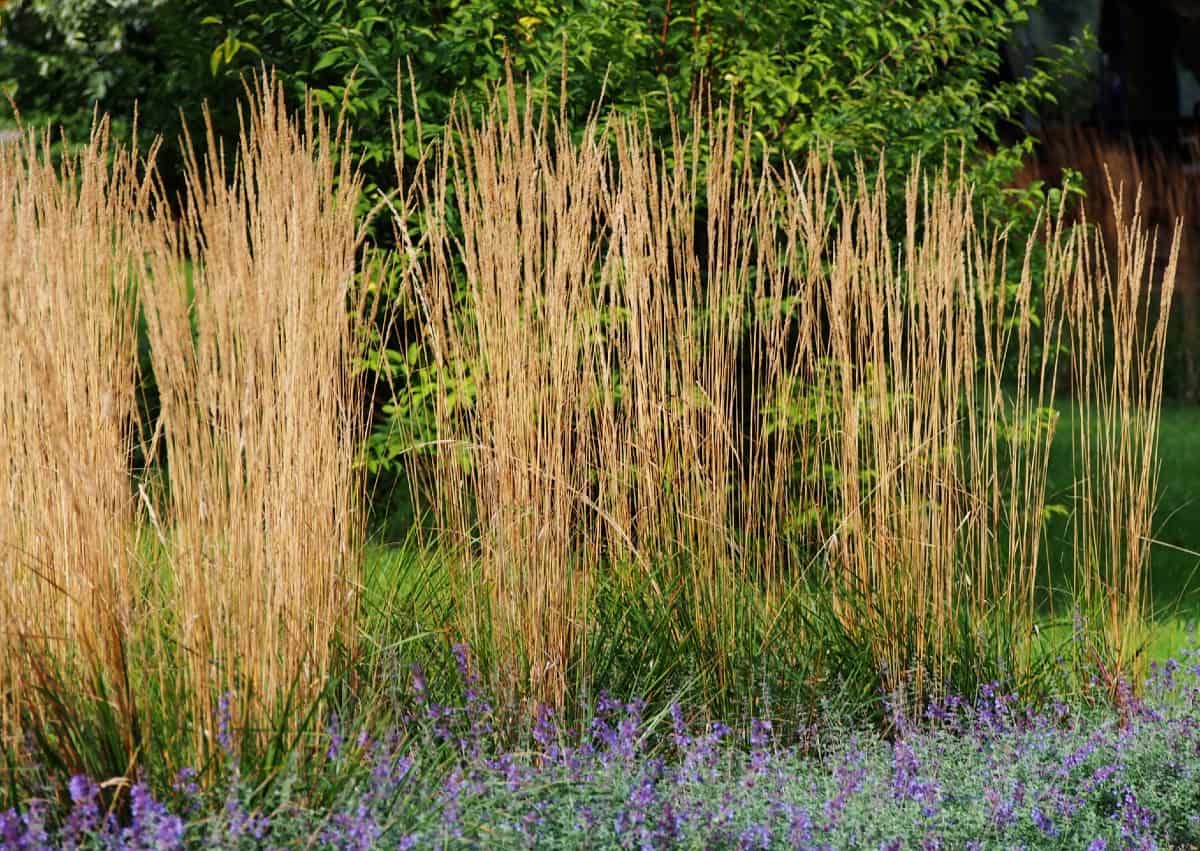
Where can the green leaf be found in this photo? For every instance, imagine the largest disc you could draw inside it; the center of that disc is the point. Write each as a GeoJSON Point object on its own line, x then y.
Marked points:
{"type": "Point", "coordinates": [327, 60]}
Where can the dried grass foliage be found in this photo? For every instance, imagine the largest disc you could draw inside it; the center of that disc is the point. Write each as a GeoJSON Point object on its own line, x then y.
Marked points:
{"type": "Point", "coordinates": [1166, 193]}
{"type": "Point", "coordinates": [257, 326]}
{"type": "Point", "coordinates": [69, 238]}
{"type": "Point", "coordinates": [697, 380]}
{"type": "Point", "coordinates": [669, 365]}
{"type": "Point", "coordinates": [254, 347]}
{"type": "Point", "coordinates": [1118, 321]}
{"type": "Point", "coordinates": [1144, 273]}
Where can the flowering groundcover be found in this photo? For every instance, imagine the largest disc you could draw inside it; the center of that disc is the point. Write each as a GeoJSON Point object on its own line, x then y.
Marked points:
{"type": "Point", "coordinates": [985, 773]}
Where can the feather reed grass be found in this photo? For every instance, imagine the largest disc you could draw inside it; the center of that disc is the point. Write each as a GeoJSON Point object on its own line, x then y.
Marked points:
{"type": "Point", "coordinates": [69, 246]}
{"type": "Point", "coordinates": [1167, 194]}
{"type": "Point", "coordinates": [681, 405]}
{"type": "Point", "coordinates": [1118, 339]}
{"type": "Point", "coordinates": [944, 431]}
{"type": "Point", "coordinates": [1142, 275]}
{"type": "Point", "coordinates": [708, 380]}
{"type": "Point", "coordinates": [254, 345]}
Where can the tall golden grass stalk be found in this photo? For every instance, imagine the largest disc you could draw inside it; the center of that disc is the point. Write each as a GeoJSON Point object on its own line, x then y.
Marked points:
{"type": "Point", "coordinates": [947, 382]}
{"type": "Point", "coordinates": [718, 379]}
{"type": "Point", "coordinates": [505, 312]}
{"type": "Point", "coordinates": [1168, 194]}
{"type": "Point", "coordinates": [1117, 314]}
{"type": "Point", "coordinates": [69, 247]}
{"type": "Point", "coordinates": [1141, 268]}
{"type": "Point", "coordinates": [713, 321]}
{"type": "Point", "coordinates": [256, 326]}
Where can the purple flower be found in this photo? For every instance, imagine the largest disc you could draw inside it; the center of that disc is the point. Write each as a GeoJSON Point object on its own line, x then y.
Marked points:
{"type": "Point", "coordinates": [388, 773]}
{"type": "Point", "coordinates": [606, 705]}
{"type": "Point", "coordinates": [439, 716]}
{"type": "Point", "coordinates": [450, 802]}
{"type": "Point", "coordinates": [239, 823]}
{"type": "Point", "coordinates": [532, 820]}
{"type": "Point", "coordinates": [151, 826]}
{"type": "Point", "coordinates": [224, 717]}
{"type": "Point", "coordinates": [905, 784]}
{"type": "Point", "coordinates": [1099, 777]}
{"type": "Point", "coordinates": [12, 830]}
{"type": "Point", "coordinates": [800, 826]}
{"type": "Point", "coordinates": [419, 686]}
{"type": "Point", "coordinates": [755, 836]}
{"type": "Point", "coordinates": [353, 831]}
{"type": "Point", "coordinates": [1043, 822]}
{"type": "Point", "coordinates": [669, 829]}
{"type": "Point", "coordinates": [760, 738]}
{"type": "Point", "coordinates": [84, 817]}
{"type": "Point", "coordinates": [679, 728]}
{"type": "Point", "coordinates": [508, 768]}
{"type": "Point", "coordinates": [850, 776]}
{"type": "Point", "coordinates": [36, 836]}
{"type": "Point", "coordinates": [82, 789]}
{"type": "Point", "coordinates": [459, 650]}
{"type": "Point", "coordinates": [944, 709]}
{"type": "Point", "coordinates": [760, 734]}
{"type": "Point", "coordinates": [545, 731]}
{"type": "Point", "coordinates": [333, 729]}
{"type": "Point", "coordinates": [1004, 809]}
{"type": "Point", "coordinates": [185, 782]}
{"type": "Point", "coordinates": [627, 743]}
{"type": "Point", "coordinates": [633, 820]}
{"type": "Point", "coordinates": [1136, 820]}
{"type": "Point", "coordinates": [587, 819]}
{"type": "Point", "coordinates": [1077, 757]}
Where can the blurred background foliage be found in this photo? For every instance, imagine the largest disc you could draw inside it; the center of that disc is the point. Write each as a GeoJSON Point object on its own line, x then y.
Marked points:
{"type": "Point", "coordinates": [908, 77]}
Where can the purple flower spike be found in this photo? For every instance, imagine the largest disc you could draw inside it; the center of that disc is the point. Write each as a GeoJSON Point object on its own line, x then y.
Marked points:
{"type": "Point", "coordinates": [419, 686]}
{"type": "Point", "coordinates": [756, 836]}
{"type": "Point", "coordinates": [224, 717]}
{"type": "Point", "coordinates": [336, 740]}
{"type": "Point", "coordinates": [151, 826]}
{"type": "Point", "coordinates": [1043, 822]}
{"type": "Point", "coordinates": [462, 661]}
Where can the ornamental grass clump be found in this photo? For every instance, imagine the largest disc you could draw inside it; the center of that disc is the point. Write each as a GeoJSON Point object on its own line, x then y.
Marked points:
{"type": "Point", "coordinates": [1118, 340]}
{"type": "Point", "coordinates": [502, 307]}
{"type": "Point", "coordinates": [70, 250]}
{"type": "Point", "coordinates": [256, 325]}
{"type": "Point", "coordinates": [690, 422]}
{"type": "Point", "coordinates": [1139, 269]}
{"type": "Point", "coordinates": [941, 430]}
{"type": "Point", "coordinates": [734, 396]}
